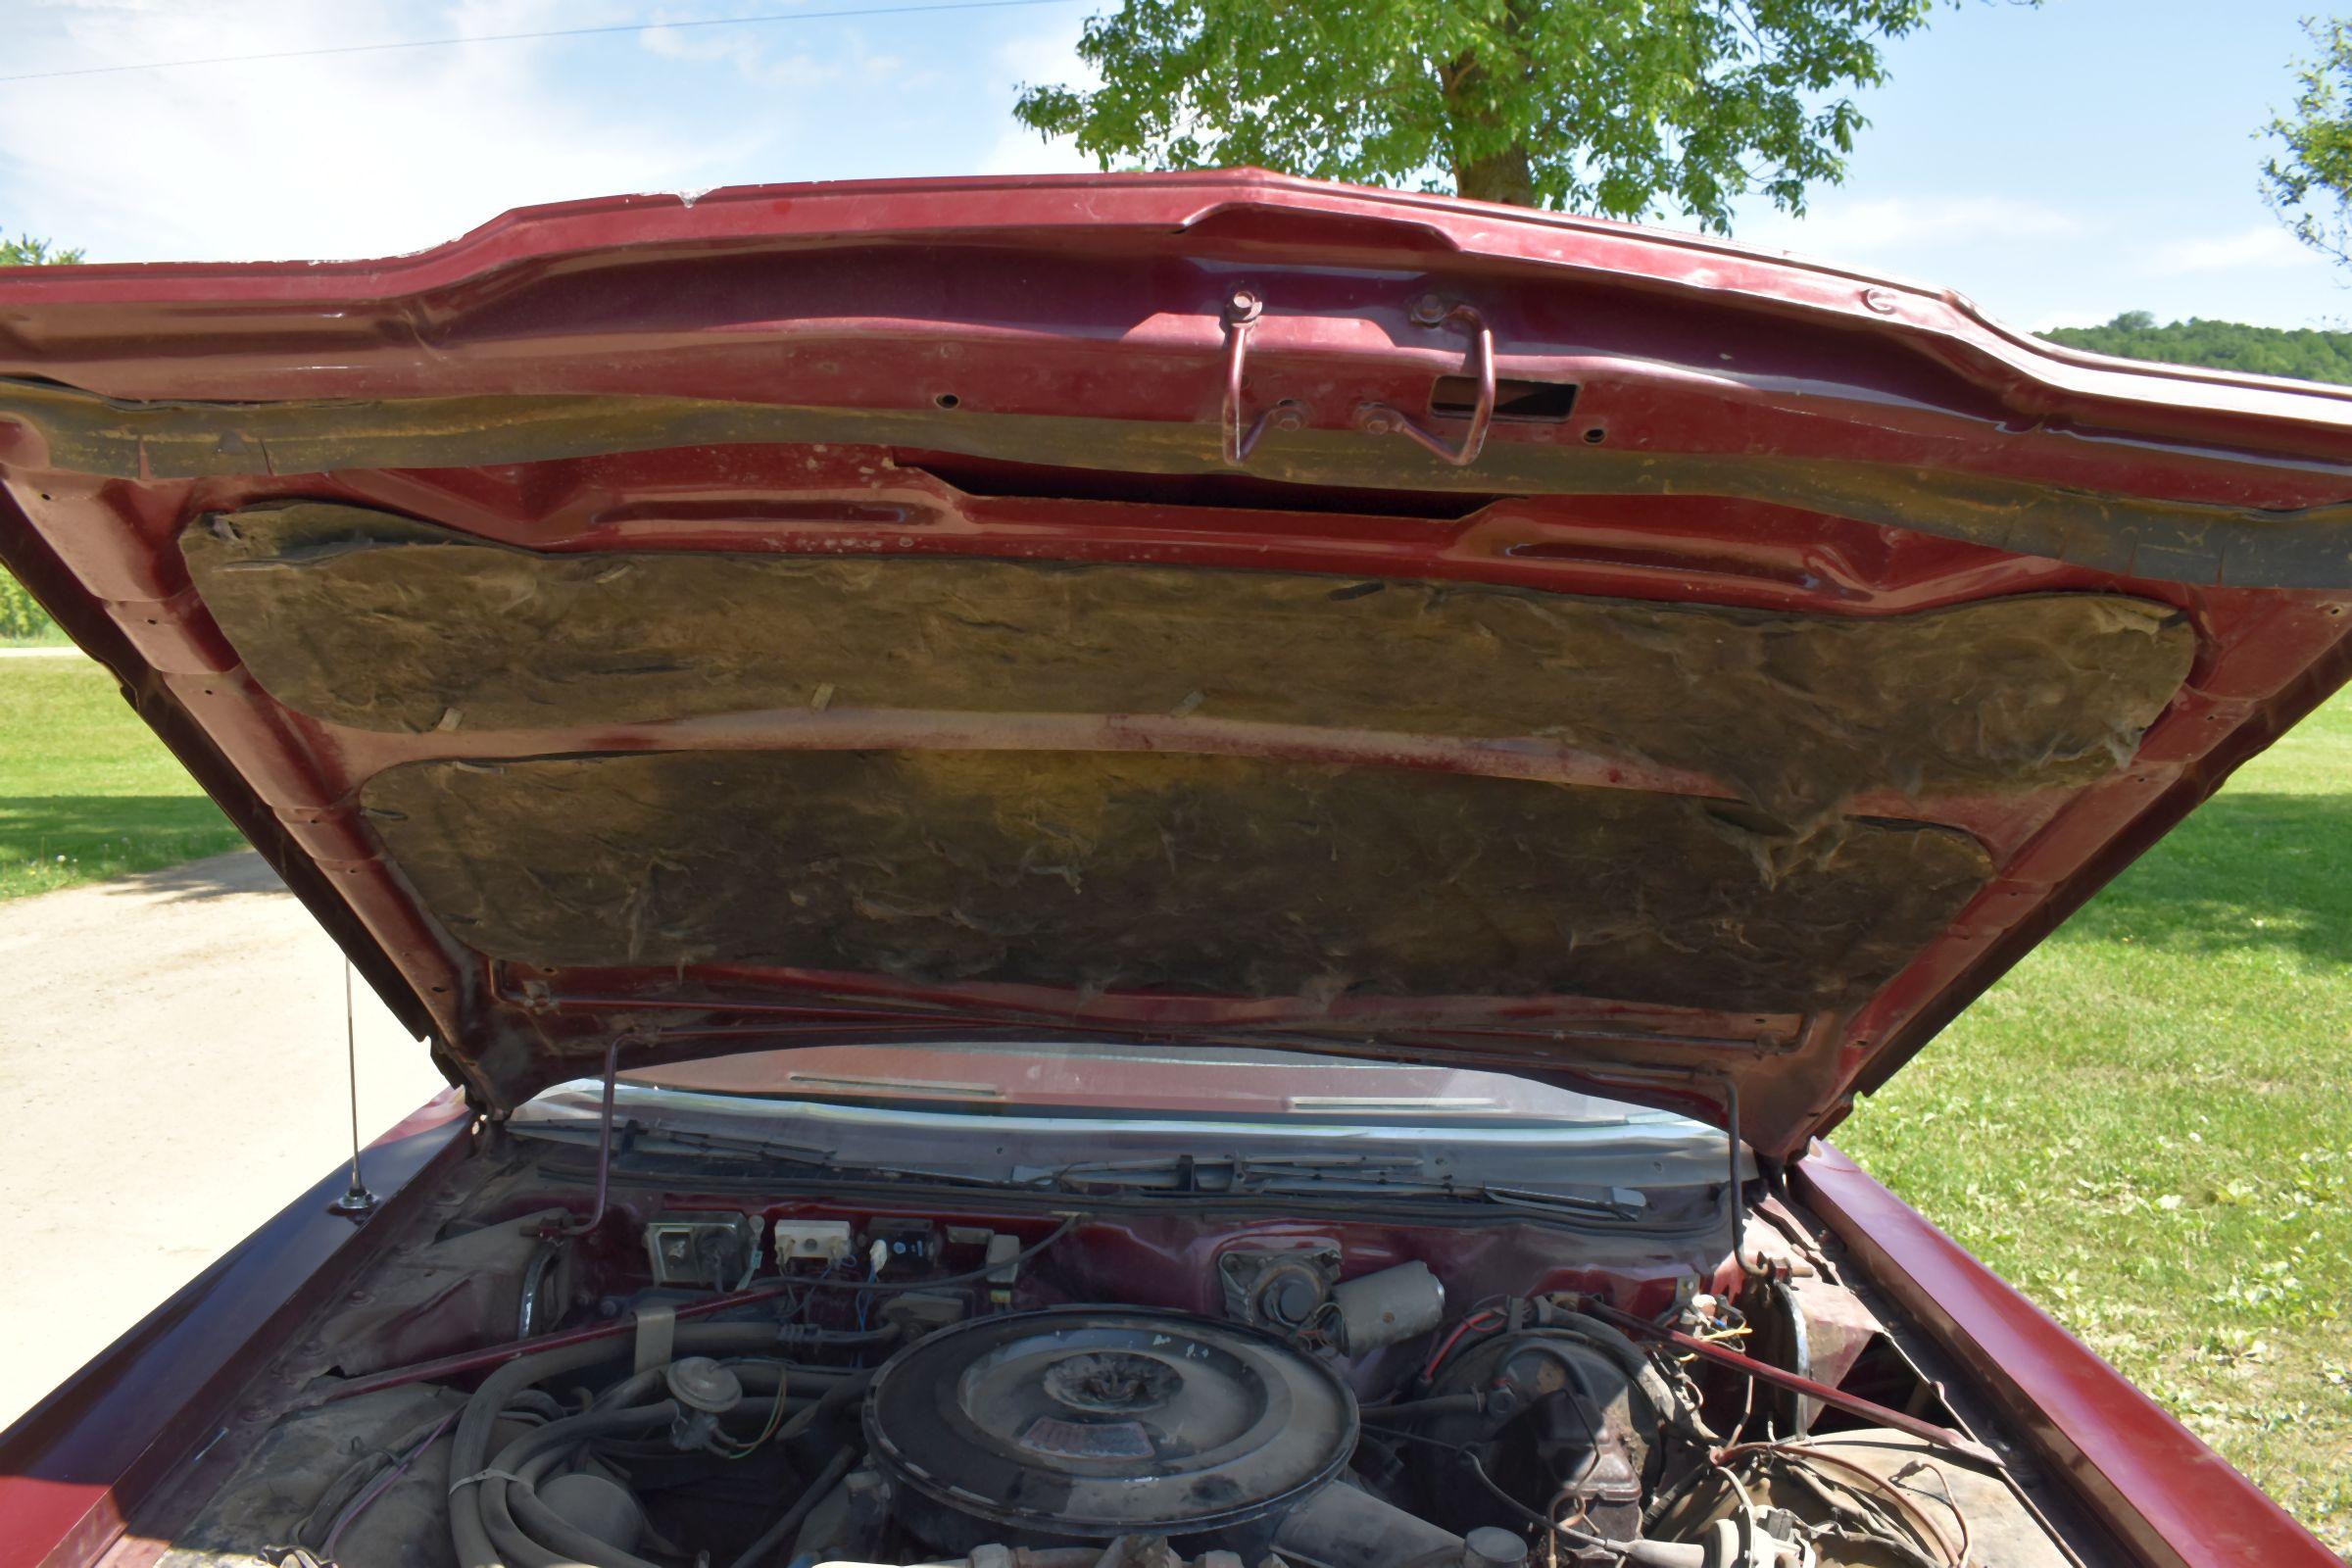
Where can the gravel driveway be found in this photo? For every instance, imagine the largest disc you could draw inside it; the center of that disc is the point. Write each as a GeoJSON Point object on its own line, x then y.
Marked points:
{"type": "Point", "coordinates": [172, 1066]}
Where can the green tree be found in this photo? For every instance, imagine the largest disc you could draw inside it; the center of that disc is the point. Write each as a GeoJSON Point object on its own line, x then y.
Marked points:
{"type": "Point", "coordinates": [2308, 183]}
{"type": "Point", "coordinates": [20, 616]}
{"type": "Point", "coordinates": [2302, 353]}
{"type": "Point", "coordinates": [26, 251]}
{"type": "Point", "coordinates": [1621, 107]}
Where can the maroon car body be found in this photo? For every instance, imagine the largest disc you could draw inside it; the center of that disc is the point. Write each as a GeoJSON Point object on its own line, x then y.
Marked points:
{"type": "Point", "coordinates": [1839, 641]}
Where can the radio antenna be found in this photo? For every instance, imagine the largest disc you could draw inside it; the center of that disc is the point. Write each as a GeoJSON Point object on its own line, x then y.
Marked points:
{"type": "Point", "coordinates": [357, 1201]}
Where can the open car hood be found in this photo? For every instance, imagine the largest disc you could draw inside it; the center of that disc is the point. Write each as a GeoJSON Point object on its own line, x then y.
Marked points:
{"type": "Point", "coordinates": [1117, 606]}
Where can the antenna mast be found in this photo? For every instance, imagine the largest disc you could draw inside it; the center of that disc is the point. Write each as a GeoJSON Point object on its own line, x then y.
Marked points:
{"type": "Point", "coordinates": [357, 1201]}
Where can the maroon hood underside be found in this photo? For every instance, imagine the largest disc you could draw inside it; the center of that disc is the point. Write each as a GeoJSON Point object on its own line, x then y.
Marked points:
{"type": "Point", "coordinates": [952, 608]}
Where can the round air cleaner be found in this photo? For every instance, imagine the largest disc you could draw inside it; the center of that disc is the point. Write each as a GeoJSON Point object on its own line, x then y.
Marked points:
{"type": "Point", "coordinates": [1085, 1423]}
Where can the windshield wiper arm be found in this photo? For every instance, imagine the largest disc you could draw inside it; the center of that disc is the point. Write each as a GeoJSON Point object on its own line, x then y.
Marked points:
{"type": "Point", "coordinates": [1579, 1204]}
{"type": "Point", "coordinates": [1210, 1175]}
{"type": "Point", "coordinates": [1228, 1173]}
{"type": "Point", "coordinates": [637, 1136]}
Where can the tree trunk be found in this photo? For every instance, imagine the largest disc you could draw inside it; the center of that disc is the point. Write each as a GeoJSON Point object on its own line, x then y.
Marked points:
{"type": "Point", "coordinates": [1507, 176]}
{"type": "Point", "coordinates": [1504, 178]}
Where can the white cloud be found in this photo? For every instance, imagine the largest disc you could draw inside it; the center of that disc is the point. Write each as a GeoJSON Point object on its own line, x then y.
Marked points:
{"type": "Point", "coordinates": [1043, 58]}
{"type": "Point", "coordinates": [776, 56]}
{"type": "Point", "coordinates": [2263, 246]}
{"type": "Point", "coordinates": [342, 156]}
{"type": "Point", "coordinates": [799, 69]}
{"type": "Point", "coordinates": [1841, 229]}
{"type": "Point", "coordinates": [1037, 59]}
{"type": "Point", "coordinates": [1018, 150]}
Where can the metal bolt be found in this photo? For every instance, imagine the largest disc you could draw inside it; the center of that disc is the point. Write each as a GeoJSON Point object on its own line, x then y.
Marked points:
{"type": "Point", "coordinates": [1429, 309]}
{"type": "Point", "coordinates": [1242, 306]}
{"type": "Point", "coordinates": [1880, 300]}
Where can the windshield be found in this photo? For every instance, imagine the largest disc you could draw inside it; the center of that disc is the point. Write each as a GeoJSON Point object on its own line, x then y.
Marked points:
{"type": "Point", "coordinates": [1086, 1079]}
{"type": "Point", "coordinates": [1087, 1116]}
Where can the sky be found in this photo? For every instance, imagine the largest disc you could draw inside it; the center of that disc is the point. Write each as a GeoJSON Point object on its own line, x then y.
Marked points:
{"type": "Point", "coordinates": [2057, 165]}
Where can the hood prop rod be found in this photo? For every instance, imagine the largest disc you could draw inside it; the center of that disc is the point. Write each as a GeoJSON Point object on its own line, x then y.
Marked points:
{"type": "Point", "coordinates": [1738, 1192]}
{"type": "Point", "coordinates": [1852, 1404]}
{"type": "Point", "coordinates": [603, 1155]}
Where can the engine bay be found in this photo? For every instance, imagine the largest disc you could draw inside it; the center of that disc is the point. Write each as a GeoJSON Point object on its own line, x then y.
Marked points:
{"type": "Point", "coordinates": [682, 1381]}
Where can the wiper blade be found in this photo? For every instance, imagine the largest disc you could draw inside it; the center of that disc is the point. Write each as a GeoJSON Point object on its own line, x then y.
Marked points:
{"type": "Point", "coordinates": [1614, 1208]}
{"type": "Point", "coordinates": [647, 1138]}
{"type": "Point", "coordinates": [1576, 1205]}
{"type": "Point", "coordinates": [637, 1136]}
{"type": "Point", "coordinates": [1230, 1173]}
{"type": "Point", "coordinates": [1212, 1175]}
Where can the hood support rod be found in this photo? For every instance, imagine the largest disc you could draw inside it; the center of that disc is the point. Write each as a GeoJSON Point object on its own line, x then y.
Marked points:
{"type": "Point", "coordinates": [1739, 1183]}
{"type": "Point", "coordinates": [604, 1153]}
{"type": "Point", "coordinates": [1765, 1372]}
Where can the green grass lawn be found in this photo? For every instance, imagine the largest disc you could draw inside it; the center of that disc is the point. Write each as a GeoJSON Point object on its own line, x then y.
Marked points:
{"type": "Point", "coordinates": [86, 791]}
{"type": "Point", "coordinates": [2147, 1126]}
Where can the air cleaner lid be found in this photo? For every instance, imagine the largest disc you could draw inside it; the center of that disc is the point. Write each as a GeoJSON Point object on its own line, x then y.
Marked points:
{"type": "Point", "coordinates": [1103, 1421]}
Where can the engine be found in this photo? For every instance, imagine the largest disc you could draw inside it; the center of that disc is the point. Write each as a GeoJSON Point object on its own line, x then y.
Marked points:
{"type": "Point", "coordinates": [1075, 1425]}
{"type": "Point", "coordinates": [747, 1390]}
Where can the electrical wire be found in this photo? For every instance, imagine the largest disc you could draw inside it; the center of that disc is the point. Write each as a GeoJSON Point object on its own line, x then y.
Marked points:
{"type": "Point", "coordinates": [775, 1418]}
{"type": "Point", "coordinates": [1920, 1522]}
{"type": "Point", "coordinates": [790, 1521]}
{"type": "Point", "coordinates": [383, 1484]}
{"type": "Point", "coordinates": [825, 1282]}
{"type": "Point", "coordinates": [1478, 1321]}
{"type": "Point", "coordinates": [1469, 1459]}
{"type": "Point", "coordinates": [763, 19]}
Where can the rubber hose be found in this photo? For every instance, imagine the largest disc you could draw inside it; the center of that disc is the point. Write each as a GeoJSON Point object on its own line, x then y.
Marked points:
{"type": "Point", "coordinates": [1665, 1554]}
{"type": "Point", "coordinates": [760, 1386]}
{"type": "Point", "coordinates": [467, 1535]}
{"type": "Point", "coordinates": [631, 1389]}
{"type": "Point", "coordinates": [539, 1547]}
{"type": "Point", "coordinates": [753, 1376]}
{"type": "Point", "coordinates": [794, 1338]}
{"type": "Point", "coordinates": [1434, 1404]}
{"type": "Point", "coordinates": [539, 1402]}
{"type": "Point", "coordinates": [525, 1512]}
{"type": "Point", "coordinates": [544, 1527]}
{"type": "Point", "coordinates": [833, 1399]}
{"type": "Point", "coordinates": [767, 1372]}
{"type": "Point", "coordinates": [794, 1517]}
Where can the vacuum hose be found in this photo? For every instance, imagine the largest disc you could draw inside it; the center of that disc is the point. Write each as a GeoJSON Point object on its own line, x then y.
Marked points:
{"type": "Point", "coordinates": [496, 1519]}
